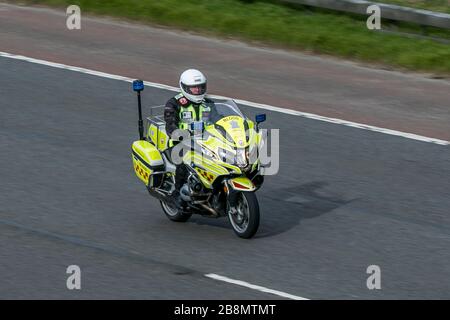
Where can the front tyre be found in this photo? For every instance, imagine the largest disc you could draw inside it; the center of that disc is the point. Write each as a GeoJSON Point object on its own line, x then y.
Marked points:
{"type": "Point", "coordinates": [244, 218]}
{"type": "Point", "coordinates": [173, 212]}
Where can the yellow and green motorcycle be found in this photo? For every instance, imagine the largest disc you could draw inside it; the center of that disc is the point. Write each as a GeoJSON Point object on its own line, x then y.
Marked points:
{"type": "Point", "coordinates": [221, 154]}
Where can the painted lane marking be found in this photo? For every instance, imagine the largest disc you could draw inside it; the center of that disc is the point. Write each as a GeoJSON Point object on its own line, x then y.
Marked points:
{"type": "Point", "coordinates": [239, 101]}
{"type": "Point", "coordinates": [135, 256]}
{"type": "Point", "coordinates": [254, 287]}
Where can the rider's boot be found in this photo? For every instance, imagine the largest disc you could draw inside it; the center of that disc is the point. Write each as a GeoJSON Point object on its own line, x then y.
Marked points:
{"type": "Point", "coordinates": [179, 183]}
{"type": "Point", "coordinates": [176, 193]}
{"type": "Point", "coordinates": [177, 198]}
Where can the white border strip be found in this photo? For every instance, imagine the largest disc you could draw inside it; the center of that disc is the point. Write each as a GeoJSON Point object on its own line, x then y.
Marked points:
{"type": "Point", "coordinates": [243, 102]}
{"type": "Point", "coordinates": [254, 287]}
{"type": "Point", "coordinates": [344, 122]}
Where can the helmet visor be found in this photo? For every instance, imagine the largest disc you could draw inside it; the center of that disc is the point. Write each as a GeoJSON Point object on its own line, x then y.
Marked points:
{"type": "Point", "coordinates": [196, 90]}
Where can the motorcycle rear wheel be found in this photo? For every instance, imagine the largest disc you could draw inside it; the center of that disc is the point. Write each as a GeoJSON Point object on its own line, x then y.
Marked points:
{"type": "Point", "coordinates": [174, 213]}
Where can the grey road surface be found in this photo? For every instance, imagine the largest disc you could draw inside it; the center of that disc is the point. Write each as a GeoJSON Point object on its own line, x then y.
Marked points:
{"type": "Point", "coordinates": [320, 85]}
{"type": "Point", "coordinates": [344, 199]}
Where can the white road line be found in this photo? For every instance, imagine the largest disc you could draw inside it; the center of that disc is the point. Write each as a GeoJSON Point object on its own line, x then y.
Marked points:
{"type": "Point", "coordinates": [254, 287]}
{"type": "Point", "coordinates": [243, 102]}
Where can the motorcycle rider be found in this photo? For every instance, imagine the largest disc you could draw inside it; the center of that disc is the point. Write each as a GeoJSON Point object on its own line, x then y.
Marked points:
{"type": "Point", "coordinates": [184, 108]}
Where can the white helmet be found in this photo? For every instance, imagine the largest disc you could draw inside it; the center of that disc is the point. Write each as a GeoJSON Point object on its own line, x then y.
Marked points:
{"type": "Point", "coordinates": [193, 85]}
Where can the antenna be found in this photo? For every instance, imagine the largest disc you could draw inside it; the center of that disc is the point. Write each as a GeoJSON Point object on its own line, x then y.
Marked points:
{"type": "Point", "coordinates": [138, 86]}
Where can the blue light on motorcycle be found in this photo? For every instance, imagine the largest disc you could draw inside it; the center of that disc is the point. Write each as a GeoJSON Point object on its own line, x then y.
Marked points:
{"type": "Point", "coordinates": [138, 85]}
{"type": "Point", "coordinates": [260, 118]}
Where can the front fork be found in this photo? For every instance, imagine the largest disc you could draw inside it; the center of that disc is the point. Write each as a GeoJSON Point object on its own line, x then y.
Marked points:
{"type": "Point", "coordinates": [232, 198]}
{"type": "Point", "coordinates": [232, 188]}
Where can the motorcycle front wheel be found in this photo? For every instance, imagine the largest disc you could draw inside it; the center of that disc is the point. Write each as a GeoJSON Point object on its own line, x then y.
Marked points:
{"type": "Point", "coordinates": [244, 218]}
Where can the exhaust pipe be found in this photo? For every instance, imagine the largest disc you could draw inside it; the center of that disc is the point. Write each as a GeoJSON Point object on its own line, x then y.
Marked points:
{"type": "Point", "coordinates": [210, 210]}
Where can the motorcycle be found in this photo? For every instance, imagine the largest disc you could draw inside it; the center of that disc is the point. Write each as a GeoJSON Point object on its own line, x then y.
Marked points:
{"type": "Point", "coordinates": [221, 154]}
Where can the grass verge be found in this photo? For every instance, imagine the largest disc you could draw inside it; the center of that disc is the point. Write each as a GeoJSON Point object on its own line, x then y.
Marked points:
{"type": "Point", "coordinates": [315, 31]}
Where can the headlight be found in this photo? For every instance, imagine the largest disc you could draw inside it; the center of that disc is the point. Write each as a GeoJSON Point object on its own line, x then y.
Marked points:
{"type": "Point", "coordinates": [241, 158]}
{"type": "Point", "coordinates": [252, 154]}
{"type": "Point", "coordinates": [208, 153]}
{"type": "Point", "coordinates": [235, 158]}
{"type": "Point", "coordinates": [224, 154]}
